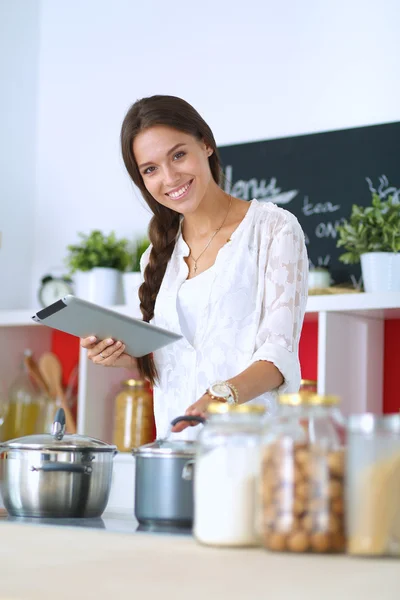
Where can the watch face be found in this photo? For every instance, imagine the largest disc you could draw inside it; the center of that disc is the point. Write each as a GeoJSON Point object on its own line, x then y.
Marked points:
{"type": "Point", "coordinates": [220, 389]}
{"type": "Point", "coordinates": [53, 290]}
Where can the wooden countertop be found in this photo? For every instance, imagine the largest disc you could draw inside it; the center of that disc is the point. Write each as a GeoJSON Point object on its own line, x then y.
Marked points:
{"type": "Point", "coordinates": [39, 562]}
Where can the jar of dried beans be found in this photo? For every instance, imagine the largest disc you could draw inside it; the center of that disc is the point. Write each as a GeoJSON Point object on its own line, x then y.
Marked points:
{"type": "Point", "coordinates": [302, 476]}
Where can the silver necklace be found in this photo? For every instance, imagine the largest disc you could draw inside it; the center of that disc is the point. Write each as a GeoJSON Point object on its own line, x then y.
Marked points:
{"type": "Point", "coordinates": [195, 260]}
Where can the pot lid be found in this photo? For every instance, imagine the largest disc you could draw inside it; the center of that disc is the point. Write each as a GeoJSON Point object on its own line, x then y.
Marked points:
{"type": "Point", "coordinates": [167, 447]}
{"type": "Point", "coordinates": [164, 447]}
{"type": "Point", "coordinates": [57, 440]}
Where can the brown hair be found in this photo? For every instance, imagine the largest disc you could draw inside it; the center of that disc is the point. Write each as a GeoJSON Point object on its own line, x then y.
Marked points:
{"type": "Point", "coordinates": [164, 225]}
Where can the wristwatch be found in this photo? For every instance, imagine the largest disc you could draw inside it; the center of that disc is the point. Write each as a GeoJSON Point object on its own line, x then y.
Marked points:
{"type": "Point", "coordinates": [223, 391]}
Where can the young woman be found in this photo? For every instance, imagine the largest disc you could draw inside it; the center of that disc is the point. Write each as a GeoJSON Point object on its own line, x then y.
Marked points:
{"type": "Point", "coordinates": [227, 274]}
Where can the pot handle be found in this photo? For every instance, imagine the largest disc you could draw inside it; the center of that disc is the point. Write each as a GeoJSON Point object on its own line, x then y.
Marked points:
{"type": "Point", "coordinates": [187, 471]}
{"type": "Point", "coordinates": [188, 419]}
{"type": "Point", "coordinates": [58, 427]}
{"type": "Point", "coordinates": [63, 467]}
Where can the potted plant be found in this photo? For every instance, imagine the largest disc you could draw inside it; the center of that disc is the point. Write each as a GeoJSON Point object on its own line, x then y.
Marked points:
{"type": "Point", "coordinates": [132, 277]}
{"type": "Point", "coordinates": [97, 264]}
{"type": "Point", "coordinates": [372, 236]}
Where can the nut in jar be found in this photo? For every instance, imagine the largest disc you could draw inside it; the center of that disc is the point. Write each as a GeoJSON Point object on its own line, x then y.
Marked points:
{"type": "Point", "coordinates": [302, 479]}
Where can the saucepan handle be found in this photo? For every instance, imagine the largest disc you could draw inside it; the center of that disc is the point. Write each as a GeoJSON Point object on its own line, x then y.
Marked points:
{"type": "Point", "coordinates": [184, 418]}
{"type": "Point", "coordinates": [65, 467]}
{"type": "Point", "coordinates": [187, 471]}
{"type": "Point", "coordinates": [188, 419]}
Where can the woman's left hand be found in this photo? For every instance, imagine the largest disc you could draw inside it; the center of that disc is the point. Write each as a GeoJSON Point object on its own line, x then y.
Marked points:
{"type": "Point", "coordinates": [198, 409]}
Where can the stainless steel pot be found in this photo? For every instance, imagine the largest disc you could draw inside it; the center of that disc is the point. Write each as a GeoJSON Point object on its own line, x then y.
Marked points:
{"type": "Point", "coordinates": [56, 475]}
{"type": "Point", "coordinates": [163, 481]}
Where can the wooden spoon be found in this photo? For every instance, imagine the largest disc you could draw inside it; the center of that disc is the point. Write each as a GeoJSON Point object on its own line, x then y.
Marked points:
{"type": "Point", "coordinates": [51, 370]}
{"type": "Point", "coordinates": [36, 374]}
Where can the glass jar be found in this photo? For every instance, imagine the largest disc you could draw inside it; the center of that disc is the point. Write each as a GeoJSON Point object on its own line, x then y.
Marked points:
{"type": "Point", "coordinates": [302, 478]}
{"type": "Point", "coordinates": [226, 476]}
{"type": "Point", "coordinates": [24, 404]}
{"type": "Point", "coordinates": [373, 485]}
{"type": "Point", "coordinates": [308, 385]}
{"type": "Point", "coordinates": [134, 423]}
{"type": "Point", "coordinates": [3, 408]}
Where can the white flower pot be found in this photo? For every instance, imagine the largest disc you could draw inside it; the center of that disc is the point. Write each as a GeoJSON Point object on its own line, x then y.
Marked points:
{"type": "Point", "coordinates": [100, 285]}
{"type": "Point", "coordinates": [319, 279]}
{"type": "Point", "coordinates": [131, 283]}
{"type": "Point", "coordinates": [381, 271]}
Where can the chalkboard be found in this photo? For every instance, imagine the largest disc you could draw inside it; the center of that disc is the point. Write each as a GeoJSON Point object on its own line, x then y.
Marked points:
{"type": "Point", "coordinates": [318, 177]}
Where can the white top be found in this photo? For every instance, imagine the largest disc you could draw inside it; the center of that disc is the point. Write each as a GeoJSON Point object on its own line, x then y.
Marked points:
{"type": "Point", "coordinates": [253, 309]}
{"type": "Point", "coordinates": [191, 297]}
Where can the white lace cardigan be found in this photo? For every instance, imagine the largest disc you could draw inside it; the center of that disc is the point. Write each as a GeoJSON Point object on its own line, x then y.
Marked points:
{"type": "Point", "coordinates": [253, 310]}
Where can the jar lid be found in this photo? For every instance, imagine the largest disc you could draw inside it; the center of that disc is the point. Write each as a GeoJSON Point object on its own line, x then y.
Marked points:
{"type": "Point", "coordinates": [223, 408]}
{"type": "Point", "coordinates": [57, 440]}
{"type": "Point", "coordinates": [135, 382]}
{"type": "Point", "coordinates": [369, 422]}
{"type": "Point", "coordinates": [167, 448]}
{"type": "Point", "coordinates": [308, 399]}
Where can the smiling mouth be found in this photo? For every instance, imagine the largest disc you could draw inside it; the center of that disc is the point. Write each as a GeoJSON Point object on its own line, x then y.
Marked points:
{"type": "Point", "coordinates": [179, 193]}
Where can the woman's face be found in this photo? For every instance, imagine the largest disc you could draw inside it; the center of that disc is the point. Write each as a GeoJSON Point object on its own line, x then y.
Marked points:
{"type": "Point", "coordinates": [174, 167]}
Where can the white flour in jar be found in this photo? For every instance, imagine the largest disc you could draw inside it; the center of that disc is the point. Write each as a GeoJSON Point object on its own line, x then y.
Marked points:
{"type": "Point", "coordinates": [225, 501]}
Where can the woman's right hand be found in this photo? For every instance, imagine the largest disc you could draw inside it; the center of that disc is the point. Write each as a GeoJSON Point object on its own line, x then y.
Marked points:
{"type": "Point", "coordinates": [108, 353]}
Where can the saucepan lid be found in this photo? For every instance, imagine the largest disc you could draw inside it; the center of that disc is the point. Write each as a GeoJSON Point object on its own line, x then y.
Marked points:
{"type": "Point", "coordinates": [165, 447]}
{"type": "Point", "coordinates": [57, 440]}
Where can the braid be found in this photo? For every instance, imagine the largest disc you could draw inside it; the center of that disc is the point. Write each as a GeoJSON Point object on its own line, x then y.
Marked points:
{"type": "Point", "coordinates": [176, 113]}
{"type": "Point", "coordinates": [163, 229]}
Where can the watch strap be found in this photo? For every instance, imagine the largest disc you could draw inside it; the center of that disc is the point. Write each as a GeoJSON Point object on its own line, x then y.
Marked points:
{"type": "Point", "coordinates": [234, 391]}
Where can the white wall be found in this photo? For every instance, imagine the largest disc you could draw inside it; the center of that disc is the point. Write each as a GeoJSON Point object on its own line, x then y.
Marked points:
{"type": "Point", "coordinates": [19, 43]}
{"type": "Point", "coordinates": [265, 69]}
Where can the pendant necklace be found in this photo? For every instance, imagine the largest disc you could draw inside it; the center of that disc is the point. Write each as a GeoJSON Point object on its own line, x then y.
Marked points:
{"type": "Point", "coordinates": [195, 260]}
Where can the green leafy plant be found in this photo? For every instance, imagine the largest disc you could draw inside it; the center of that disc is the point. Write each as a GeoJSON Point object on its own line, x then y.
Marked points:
{"type": "Point", "coordinates": [375, 228]}
{"type": "Point", "coordinates": [98, 250]}
{"type": "Point", "coordinates": [139, 247]}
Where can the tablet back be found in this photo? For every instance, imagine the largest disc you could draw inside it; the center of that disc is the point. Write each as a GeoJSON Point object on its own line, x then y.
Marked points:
{"type": "Point", "coordinates": [82, 318]}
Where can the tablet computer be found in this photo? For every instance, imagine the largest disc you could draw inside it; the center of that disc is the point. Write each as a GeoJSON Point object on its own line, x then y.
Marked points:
{"type": "Point", "coordinates": [82, 319]}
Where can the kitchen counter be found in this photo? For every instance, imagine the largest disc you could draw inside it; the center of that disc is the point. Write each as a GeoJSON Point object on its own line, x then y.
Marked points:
{"type": "Point", "coordinates": [116, 522]}
{"type": "Point", "coordinates": [42, 560]}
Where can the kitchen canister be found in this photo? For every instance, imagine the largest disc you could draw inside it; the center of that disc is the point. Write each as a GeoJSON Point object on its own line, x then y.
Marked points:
{"type": "Point", "coordinates": [303, 476]}
{"type": "Point", "coordinates": [134, 424]}
{"type": "Point", "coordinates": [373, 485]}
{"type": "Point", "coordinates": [226, 476]}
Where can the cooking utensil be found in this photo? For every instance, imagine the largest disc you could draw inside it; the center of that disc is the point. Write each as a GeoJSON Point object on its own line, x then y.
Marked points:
{"type": "Point", "coordinates": [36, 373]}
{"type": "Point", "coordinates": [163, 480]}
{"type": "Point", "coordinates": [56, 475]}
{"type": "Point", "coordinates": [70, 396]}
{"type": "Point", "coordinates": [51, 369]}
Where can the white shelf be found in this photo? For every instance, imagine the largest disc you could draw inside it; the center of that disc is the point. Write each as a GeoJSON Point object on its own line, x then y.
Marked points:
{"type": "Point", "coordinates": [17, 318]}
{"type": "Point", "coordinates": [23, 317]}
{"type": "Point", "coordinates": [350, 356]}
{"type": "Point", "coordinates": [379, 305]}
{"type": "Point", "coordinates": [350, 364]}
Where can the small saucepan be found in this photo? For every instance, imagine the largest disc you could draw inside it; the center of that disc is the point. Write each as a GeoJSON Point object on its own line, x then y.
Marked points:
{"type": "Point", "coordinates": [163, 481]}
